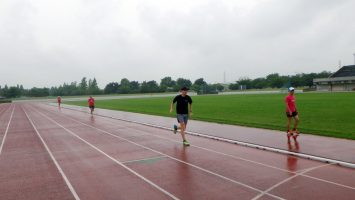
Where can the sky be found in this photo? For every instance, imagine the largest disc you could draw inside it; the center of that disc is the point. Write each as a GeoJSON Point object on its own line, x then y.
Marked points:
{"type": "Point", "coordinates": [46, 43]}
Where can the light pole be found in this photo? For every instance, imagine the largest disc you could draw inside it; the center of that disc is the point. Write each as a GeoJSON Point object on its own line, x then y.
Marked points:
{"type": "Point", "coordinates": [354, 58]}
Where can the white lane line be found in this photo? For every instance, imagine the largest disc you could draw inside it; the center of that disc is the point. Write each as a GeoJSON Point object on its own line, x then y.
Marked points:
{"type": "Point", "coordinates": [113, 159]}
{"type": "Point", "coordinates": [255, 162]}
{"type": "Point", "coordinates": [214, 151]}
{"type": "Point", "coordinates": [70, 186]}
{"type": "Point", "coordinates": [173, 158]}
{"type": "Point", "coordinates": [199, 147]}
{"type": "Point", "coordinates": [247, 144]}
{"type": "Point", "coordinates": [308, 176]}
{"type": "Point", "coordinates": [251, 161]}
{"type": "Point", "coordinates": [266, 192]}
{"type": "Point", "coordinates": [331, 182]}
{"type": "Point", "coordinates": [144, 159]}
{"type": "Point", "coordinates": [7, 130]}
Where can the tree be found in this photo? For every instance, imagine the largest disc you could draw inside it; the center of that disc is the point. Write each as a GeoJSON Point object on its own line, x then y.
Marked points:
{"type": "Point", "coordinates": [297, 80]}
{"type": "Point", "coordinates": [93, 87]}
{"type": "Point", "coordinates": [245, 82]}
{"type": "Point", "coordinates": [5, 90]}
{"type": "Point", "coordinates": [259, 83]}
{"type": "Point", "coordinates": [181, 82]}
{"type": "Point", "coordinates": [13, 92]}
{"type": "Point", "coordinates": [219, 87]}
{"type": "Point", "coordinates": [167, 84]}
{"type": "Point", "coordinates": [124, 87]}
{"type": "Point", "coordinates": [38, 92]}
{"type": "Point", "coordinates": [234, 86]}
{"type": "Point", "coordinates": [149, 87]}
{"type": "Point", "coordinates": [135, 87]}
{"type": "Point", "coordinates": [324, 74]}
{"type": "Point", "coordinates": [200, 81]}
{"type": "Point", "coordinates": [200, 86]}
{"type": "Point", "coordinates": [276, 81]}
{"type": "Point", "coordinates": [111, 88]}
{"type": "Point", "coordinates": [83, 86]}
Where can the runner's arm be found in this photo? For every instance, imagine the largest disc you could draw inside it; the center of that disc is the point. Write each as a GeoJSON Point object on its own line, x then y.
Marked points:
{"type": "Point", "coordinates": [288, 108]}
{"type": "Point", "coordinates": [190, 113]}
{"type": "Point", "coordinates": [171, 106]}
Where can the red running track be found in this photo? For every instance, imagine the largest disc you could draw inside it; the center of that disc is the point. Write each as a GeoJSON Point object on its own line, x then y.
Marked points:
{"type": "Point", "coordinates": [63, 154]}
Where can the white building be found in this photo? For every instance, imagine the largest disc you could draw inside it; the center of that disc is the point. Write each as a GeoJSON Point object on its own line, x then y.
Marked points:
{"type": "Point", "coordinates": [342, 80]}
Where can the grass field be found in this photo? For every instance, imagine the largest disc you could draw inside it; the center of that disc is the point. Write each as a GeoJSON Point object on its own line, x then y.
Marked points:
{"type": "Point", "coordinates": [327, 114]}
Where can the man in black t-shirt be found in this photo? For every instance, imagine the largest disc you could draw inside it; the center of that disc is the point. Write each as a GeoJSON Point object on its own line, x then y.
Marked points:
{"type": "Point", "coordinates": [183, 111]}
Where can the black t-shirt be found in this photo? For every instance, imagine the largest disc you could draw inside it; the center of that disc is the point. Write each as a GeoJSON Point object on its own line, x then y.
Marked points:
{"type": "Point", "coordinates": [182, 104]}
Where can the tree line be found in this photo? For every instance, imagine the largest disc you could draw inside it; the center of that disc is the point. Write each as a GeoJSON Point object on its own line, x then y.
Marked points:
{"type": "Point", "coordinates": [167, 84]}
{"type": "Point", "coordinates": [277, 81]}
{"type": "Point", "coordinates": [85, 87]}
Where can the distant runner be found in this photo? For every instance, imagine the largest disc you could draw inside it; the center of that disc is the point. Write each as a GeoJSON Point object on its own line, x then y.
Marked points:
{"type": "Point", "coordinates": [59, 100]}
{"type": "Point", "coordinates": [183, 111]}
{"type": "Point", "coordinates": [91, 102]}
{"type": "Point", "coordinates": [291, 112]}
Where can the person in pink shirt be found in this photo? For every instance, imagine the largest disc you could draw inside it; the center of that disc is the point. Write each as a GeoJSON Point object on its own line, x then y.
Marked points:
{"type": "Point", "coordinates": [91, 102]}
{"type": "Point", "coordinates": [291, 112]}
{"type": "Point", "coordinates": [59, 100]}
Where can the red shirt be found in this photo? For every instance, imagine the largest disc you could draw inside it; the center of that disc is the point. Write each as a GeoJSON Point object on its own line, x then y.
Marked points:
{"type": "Point", "coordinates": [291, 103]}
{"type": "Point", "coordinates": [59, 99]}
{"type": "Point", "coordinates": [91, 101]}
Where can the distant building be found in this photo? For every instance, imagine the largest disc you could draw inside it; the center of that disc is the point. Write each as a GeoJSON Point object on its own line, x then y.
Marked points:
{"type": "Point", "coordinates": [342, 80]}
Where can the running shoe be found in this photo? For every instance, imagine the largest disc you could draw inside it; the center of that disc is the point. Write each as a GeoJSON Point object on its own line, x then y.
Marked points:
{"type": "Point", "coordinates": [175, 129]}
{"type": "Point", "coordinates": [296, 135]}
{"type": "Point", "coordinates": [289, 134]}
{"type": "Point", "coordinates": [186, 143]}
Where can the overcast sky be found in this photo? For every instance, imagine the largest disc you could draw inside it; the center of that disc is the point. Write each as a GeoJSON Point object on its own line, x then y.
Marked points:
{"type": "Point", "coordinates": [45, 43]}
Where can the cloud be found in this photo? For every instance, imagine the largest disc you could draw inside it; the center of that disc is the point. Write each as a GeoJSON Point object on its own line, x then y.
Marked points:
{"type": "Point", "coordinates": [45, 43]}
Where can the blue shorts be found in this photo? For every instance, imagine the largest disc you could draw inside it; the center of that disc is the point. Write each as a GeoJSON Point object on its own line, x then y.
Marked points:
{"type": "Point", "coordinates": [182, 118]}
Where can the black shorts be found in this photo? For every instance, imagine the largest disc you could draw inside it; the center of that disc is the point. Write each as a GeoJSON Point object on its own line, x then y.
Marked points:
{"type": "Point", "coordinates": [92, 107]}
{"type": "Point", "coordinates": [294, 114]}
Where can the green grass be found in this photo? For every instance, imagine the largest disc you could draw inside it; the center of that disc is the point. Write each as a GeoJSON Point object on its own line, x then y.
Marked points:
{"type": "Point", "coordinates": [327, 114]}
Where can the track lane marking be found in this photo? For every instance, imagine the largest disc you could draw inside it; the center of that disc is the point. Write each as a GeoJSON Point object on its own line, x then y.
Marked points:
{"type": "Point", "coordinates": [286, 180]}
{"type": "Point", "coordinates": [255, 162]}
{"type": "Point", "coordinates": [251, 145]}
{"type": "Point", "coordinates": [144, 159]}
{"type": "Point", "coordinates": [70, 186]}
{"type": "Point", "coordinates": [164, 128]}
{"type": "Point", "coordinates": [111, 158]}
{"type": "Point", "coordinates": [173, 158]}
{"type": "Point", "coordinates": [7, 129]}
{"type": "Point", "coordinates": [196, 146]}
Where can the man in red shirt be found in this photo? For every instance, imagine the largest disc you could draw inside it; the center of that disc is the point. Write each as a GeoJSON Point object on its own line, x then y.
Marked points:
{"type": "Point", "coordinates": [91, 102]}
{"type": "Point", "coordinates": [59, 100]}
{"type": "Point", "coordinates": [291, 112]}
